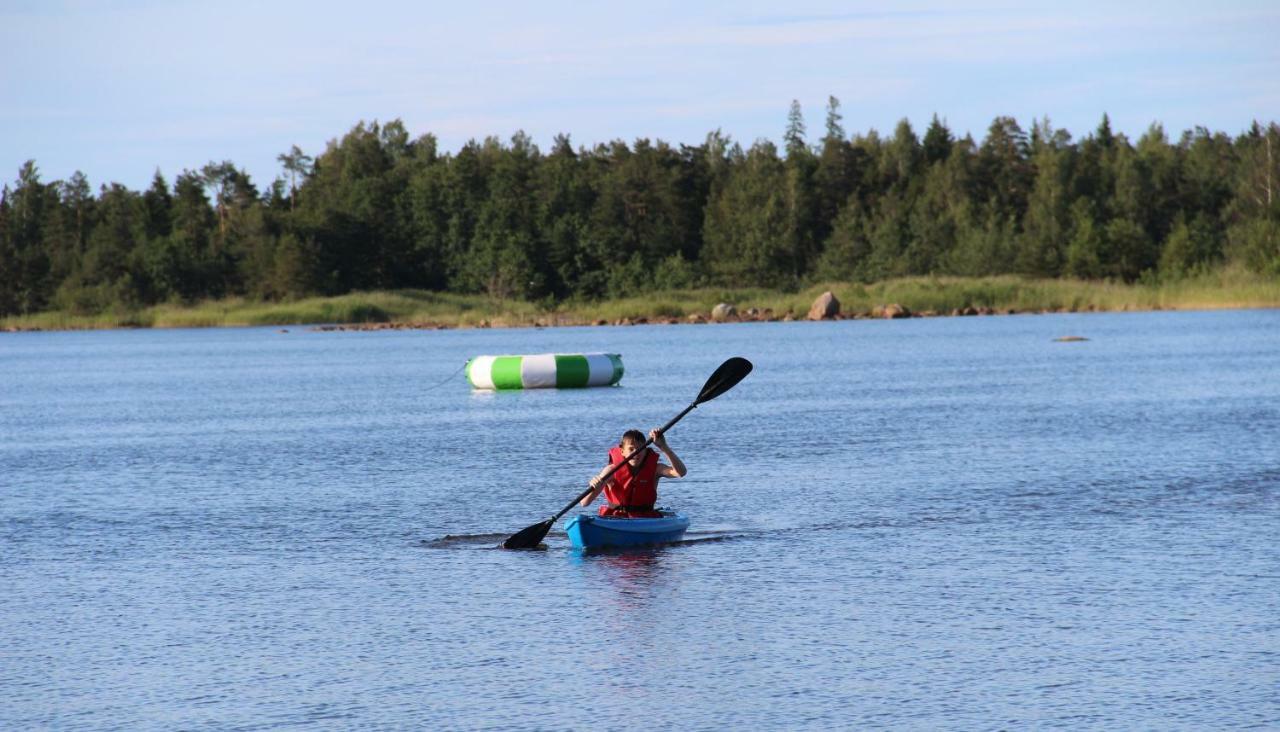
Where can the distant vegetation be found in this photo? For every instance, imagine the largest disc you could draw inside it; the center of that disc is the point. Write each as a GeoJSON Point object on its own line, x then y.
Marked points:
{"type": "Point", "coordinates": [506, 227]}
{"type": "Point", "coordinates": [1225, 287]}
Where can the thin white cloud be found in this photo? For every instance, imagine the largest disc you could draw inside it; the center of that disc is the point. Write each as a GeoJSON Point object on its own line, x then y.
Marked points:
{"type": "Point", "coordinates": [237, 80]}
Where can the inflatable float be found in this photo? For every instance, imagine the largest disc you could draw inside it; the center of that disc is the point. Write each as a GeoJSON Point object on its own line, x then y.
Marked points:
{"type": "Point", "coordinates": [545, 371]}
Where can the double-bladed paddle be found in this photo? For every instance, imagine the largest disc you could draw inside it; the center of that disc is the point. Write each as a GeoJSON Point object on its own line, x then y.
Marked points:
{"type": "Point", "coordinates": [724, 379]}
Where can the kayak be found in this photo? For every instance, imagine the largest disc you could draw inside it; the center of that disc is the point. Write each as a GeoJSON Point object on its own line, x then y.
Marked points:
{"type": "Point", "coordinates": [592, 532]}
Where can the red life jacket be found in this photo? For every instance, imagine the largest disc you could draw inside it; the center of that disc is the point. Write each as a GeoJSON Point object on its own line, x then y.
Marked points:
{"type": "Point", "coordinates": [631, 494]}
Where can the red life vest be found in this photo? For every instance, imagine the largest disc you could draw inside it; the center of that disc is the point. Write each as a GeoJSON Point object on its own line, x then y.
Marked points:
{"type": "Point", "coordinates": [632, 494]}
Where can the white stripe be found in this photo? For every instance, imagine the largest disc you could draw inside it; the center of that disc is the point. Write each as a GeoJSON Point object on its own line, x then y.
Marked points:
{"type": "Point", "coordinates": [599, 369]}
{"type": "Point", "coordinates": [480, 372]}
{"type": "Point", "coordinates": [538, 371]}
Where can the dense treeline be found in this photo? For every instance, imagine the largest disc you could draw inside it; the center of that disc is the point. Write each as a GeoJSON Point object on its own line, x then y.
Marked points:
{"type": "Point", "coordinates": [379, 210]}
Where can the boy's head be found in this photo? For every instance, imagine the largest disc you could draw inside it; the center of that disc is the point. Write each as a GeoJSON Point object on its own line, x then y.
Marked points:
{"type": "Point", "coordinates": [631, 442]}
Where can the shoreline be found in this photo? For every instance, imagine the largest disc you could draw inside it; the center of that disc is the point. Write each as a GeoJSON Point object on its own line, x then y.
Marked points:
{"type": "Point", "coordinates": [369, 326]}
{"type": "Point", "coordinates": [890, 299]}
{"type": "Point", "coordinates": [707, 320]}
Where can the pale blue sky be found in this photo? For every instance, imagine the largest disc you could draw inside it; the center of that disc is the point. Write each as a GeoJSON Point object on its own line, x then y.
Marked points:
{"type": "Point", "coordinates": [119, 89]}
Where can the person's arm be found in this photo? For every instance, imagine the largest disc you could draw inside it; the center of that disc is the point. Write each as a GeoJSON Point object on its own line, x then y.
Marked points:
{"type": "Point", "coordinates": [597, 485]}
{"type": "Point", "coordinates": [676, 469]}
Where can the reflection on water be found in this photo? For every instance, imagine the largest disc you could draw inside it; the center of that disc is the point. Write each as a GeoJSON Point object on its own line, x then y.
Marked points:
{"type": "Point", "coordinates": [633, 574]}
{"type": "Point", "coordinates": [625, 596]}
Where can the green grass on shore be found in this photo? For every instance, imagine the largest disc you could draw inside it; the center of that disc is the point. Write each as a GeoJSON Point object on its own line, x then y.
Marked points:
{"type": "Point", "coordinates": [934, 295]}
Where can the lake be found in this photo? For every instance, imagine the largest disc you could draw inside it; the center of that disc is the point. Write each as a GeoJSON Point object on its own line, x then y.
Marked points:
{"type": "Point", "coordinates": [951, 523]}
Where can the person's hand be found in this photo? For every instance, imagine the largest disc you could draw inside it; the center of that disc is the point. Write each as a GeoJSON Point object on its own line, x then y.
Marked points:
{"type": "Point", "coordinates": [594, 483]}
{"type": "Point", "coordinates": [658, 438]}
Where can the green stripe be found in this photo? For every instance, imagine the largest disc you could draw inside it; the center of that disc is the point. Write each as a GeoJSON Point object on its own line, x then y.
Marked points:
{"type": "Point", "coordinates": [572, 371]}
{"type": "Point", "coordinates": [506, 373]}
{"type": "Point", "coordinates": [617, 368]}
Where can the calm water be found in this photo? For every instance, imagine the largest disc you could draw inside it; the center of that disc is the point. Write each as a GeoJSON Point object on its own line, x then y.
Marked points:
{"type": "Point", "coordinates": [951, 523]}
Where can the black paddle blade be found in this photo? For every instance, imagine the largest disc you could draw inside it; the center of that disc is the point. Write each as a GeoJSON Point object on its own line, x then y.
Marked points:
{"type": "Point", "coordinates": [725, 378]}
{"type": "Point", "coordinates": [529, 538]}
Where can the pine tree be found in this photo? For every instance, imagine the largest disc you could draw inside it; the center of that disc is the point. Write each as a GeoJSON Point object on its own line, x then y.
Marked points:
{"type": "Point", "coordinates": [794, 136]}
{"type": "Point", "coordinates": [835, 177]}
{"type": "Point", "coordinates": [1047, 222]}
{"type": "Point", "coordinates": [24, 256]}
{"type": "Point", "coordinates": [748, 223]}
{"type": "Point", "coordinates": [1004, 170]}
{"type": "Point", "coordinates": [937, 142]}
{"type": "Point", "coordinates": [298, 165]}
{"type": "Point", "coordinates": [1084, 251]}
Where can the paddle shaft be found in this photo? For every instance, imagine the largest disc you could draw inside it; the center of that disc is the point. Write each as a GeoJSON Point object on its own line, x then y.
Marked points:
{"type": "Point", "coordinates": [613, 469]}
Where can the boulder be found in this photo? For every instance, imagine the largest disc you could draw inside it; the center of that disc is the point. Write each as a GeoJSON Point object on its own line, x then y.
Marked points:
{"type": "Point", "coordinates": [724, 312]}
{"type": "Point", "coordinates": [696, 318]}
{"type": "Point", "coordinates": [892, 310]}
{"type": "Point", "coordinates": [825, 307]}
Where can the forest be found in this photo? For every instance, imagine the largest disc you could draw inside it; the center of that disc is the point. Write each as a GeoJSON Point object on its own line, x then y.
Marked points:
{"type": "Point", "coordinates": [381, 210]}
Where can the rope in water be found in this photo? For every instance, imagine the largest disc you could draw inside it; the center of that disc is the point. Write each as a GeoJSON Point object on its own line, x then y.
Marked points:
{"type": "Point", "coordinates": [448, 378]}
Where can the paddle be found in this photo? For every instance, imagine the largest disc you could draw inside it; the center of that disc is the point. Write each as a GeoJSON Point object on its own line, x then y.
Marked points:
{"type": "Point", "coordinates": [724, 379]}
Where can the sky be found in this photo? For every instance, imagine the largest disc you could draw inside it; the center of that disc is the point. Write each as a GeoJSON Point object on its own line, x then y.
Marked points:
{"type": "Point", "coordinates": [119, 90]}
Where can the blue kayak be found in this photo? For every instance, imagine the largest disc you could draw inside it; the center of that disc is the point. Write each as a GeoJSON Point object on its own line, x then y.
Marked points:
{"type": "Point", "coordinates": [592, 532]}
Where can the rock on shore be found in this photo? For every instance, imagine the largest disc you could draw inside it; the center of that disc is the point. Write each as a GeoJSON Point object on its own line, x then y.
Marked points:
{"type": "Point", "coordinates": [723, 312]}
{"type": "Point", "coordinates": [892, 310]}
{"type": "Point", "coordinates": [825, 307]}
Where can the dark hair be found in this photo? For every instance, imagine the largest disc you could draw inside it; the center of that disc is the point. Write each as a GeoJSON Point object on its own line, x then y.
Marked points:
{"type": "Point", "coordinates": [635, 436]}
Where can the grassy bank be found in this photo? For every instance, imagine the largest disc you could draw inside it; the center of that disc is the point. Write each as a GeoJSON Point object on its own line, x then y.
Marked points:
{"type": "Point", "coordinates": [929, 295]}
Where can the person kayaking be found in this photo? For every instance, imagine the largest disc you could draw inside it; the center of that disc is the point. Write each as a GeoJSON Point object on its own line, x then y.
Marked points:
{"type": "Point", "coordinates": [632, 490]}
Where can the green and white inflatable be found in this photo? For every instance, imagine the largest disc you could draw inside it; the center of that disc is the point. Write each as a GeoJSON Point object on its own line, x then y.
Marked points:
{"type": "Point", "coordinates": [545, 371]}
